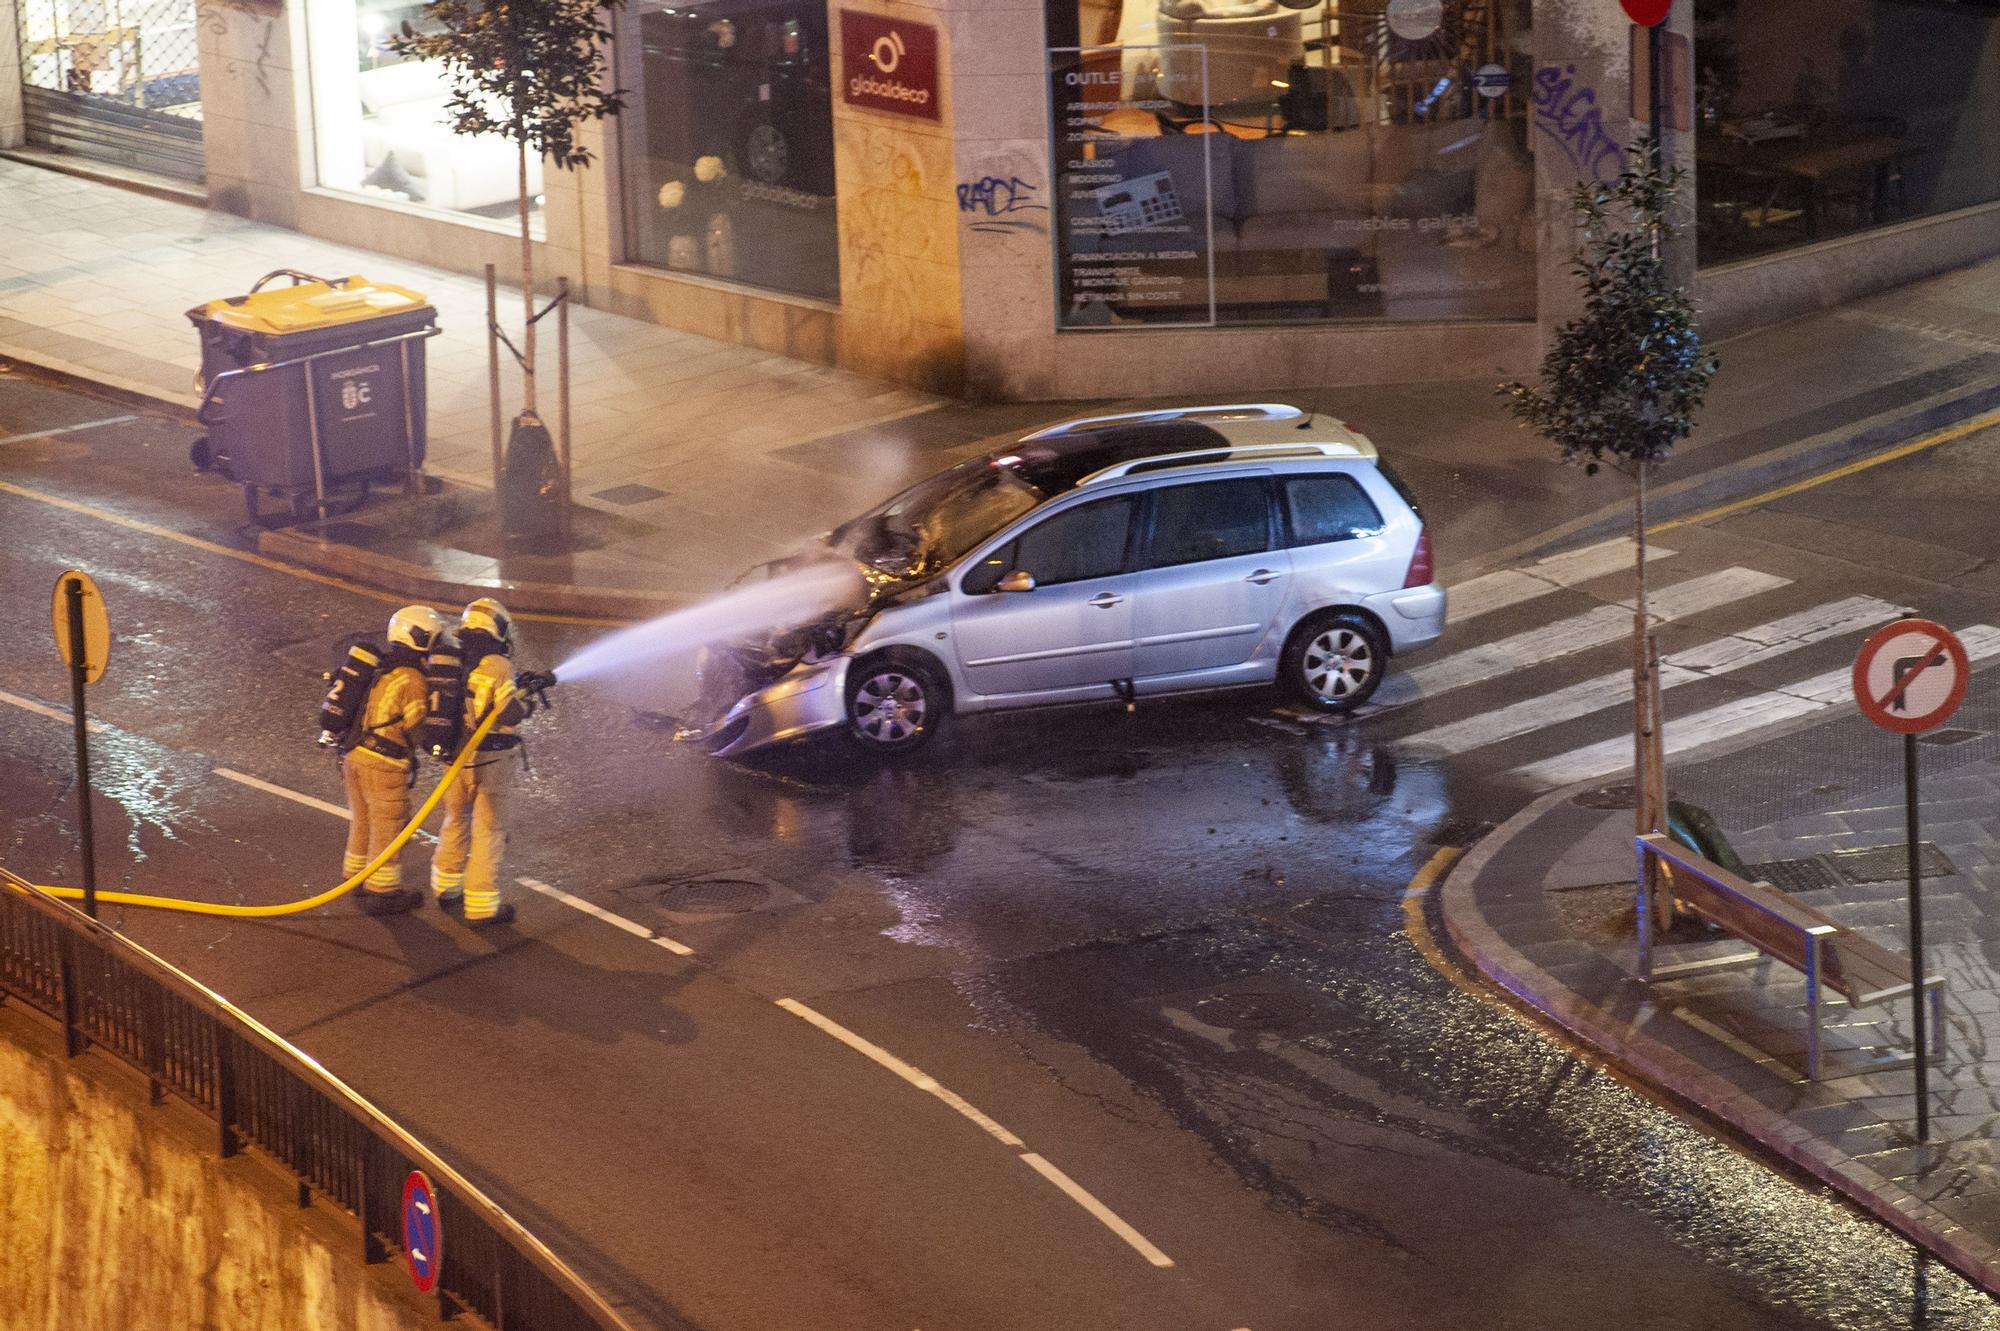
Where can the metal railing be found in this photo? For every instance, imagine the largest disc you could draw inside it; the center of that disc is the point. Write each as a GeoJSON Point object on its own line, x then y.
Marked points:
{"type": "Point", "coordinates": [189, 1041]}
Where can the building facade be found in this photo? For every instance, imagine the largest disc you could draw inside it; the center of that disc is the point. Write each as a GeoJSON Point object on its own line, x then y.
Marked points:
{"type": "Point", "coordinates": [1075, 198]}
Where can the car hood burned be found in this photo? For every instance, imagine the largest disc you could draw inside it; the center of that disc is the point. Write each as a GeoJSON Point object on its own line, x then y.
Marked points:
{"type": "Point", "coordinates": [730, 671]}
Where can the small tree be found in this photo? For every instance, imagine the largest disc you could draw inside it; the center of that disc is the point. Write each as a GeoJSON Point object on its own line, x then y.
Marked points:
{"type": "Point", "coordinates": [532, 71]}
{"type": "Point", "coordinates": [1620, 385]}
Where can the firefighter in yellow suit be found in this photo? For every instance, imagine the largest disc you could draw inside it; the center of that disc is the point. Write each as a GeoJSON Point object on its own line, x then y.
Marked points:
{"type": "Point", "coordinates": [377, 769]}
{"type": "Point", "coordinates": [465, 872]}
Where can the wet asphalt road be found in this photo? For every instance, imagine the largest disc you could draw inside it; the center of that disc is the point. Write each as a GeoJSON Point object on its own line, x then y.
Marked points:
{"type": "Point", "coordinates": [1170, 952]}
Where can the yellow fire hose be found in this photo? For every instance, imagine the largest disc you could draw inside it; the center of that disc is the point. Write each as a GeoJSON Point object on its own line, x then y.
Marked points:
{"type": "Point", "coordinates": [465, 752]}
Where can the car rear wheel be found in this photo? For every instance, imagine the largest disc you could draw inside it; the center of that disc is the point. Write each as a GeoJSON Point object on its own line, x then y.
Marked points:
{"type": "Point", "coordinates": [893, 705]}
{"type": "Point", "coordinates": [1334, 662]}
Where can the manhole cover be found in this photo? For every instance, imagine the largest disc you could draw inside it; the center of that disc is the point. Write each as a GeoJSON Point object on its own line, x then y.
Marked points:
{"type": "Point", "coordinates": [1890, 864]}
{"type": "Point", "coordinates": [1948, 736]}
{"type": "Point", "coordinates": [1253, 1012]}
{"type": "Point", "coordinates": [1794, 875]}
{"type": "Point", "coordinates": [1605, 797]}
{"type": "Point", "coordinates": [708, 896]}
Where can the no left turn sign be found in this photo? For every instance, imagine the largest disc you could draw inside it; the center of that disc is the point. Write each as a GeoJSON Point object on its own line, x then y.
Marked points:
{"type": "Point", "coordinates": [1911, 675]}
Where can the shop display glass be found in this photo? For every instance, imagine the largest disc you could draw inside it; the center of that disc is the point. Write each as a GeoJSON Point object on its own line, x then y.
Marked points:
{"type": "Point", "coordinates": [380, 123]}
{"type": "Point", "coordinates": [1822, 119]}
{"type": "Point", "coordinates": [727, 142]}
{"type": "Point", "coordinates": [1291, 161]}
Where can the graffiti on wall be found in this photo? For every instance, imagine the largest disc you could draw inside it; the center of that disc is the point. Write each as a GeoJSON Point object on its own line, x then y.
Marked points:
{"type": "Point", "coordinates": [1003, 205]}
{"type": "Point", "coordinates": [1569, 113]}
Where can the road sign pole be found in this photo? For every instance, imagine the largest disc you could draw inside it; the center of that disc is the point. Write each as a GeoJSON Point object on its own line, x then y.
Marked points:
{"type": "Point", "coordinates": [1916, 941]}
{"type": "Point", "coordinates": [1656, 101]}
{"type": "Point", "coordinates": [79, 668]}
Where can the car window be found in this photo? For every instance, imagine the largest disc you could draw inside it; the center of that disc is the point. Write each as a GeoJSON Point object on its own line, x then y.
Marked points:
{"type": "Point", "coordinates": [1087, 541]}
{"type": "Point", "coordinates": [1329, 508]}
{"type": "Point", "coordinates": [1213, 520]}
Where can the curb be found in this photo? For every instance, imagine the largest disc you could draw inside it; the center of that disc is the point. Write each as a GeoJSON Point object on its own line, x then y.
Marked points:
{"type": "Point", "coordinates": [1686, 1082]}
{"type": "Point", "coordinates": [125, 392]}
{"type": "Point", "coordinates": [387, 573]}
{"type": "Point", "coordinates": [1765, 470]}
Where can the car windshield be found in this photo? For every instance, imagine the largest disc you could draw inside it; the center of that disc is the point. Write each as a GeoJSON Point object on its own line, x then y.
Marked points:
{"type": "Point", "coordinates": [937, 520]}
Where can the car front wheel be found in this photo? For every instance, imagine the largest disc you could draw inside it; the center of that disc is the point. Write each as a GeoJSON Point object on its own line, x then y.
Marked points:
{"type": "Point", "coordinates": [1334, 662]}
{"type": "Point", "coordinates": [893, 706]}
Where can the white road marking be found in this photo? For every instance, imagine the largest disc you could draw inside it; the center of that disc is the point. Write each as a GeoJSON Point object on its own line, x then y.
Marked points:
{"type": "Point", "coordinates": [1736, 651]}
{"type": "Point", "coordinates": [61, 714]}
{"type": "Point", "coordinates": [928, 1084]}
{"type": "Point", "coordinates": [1105, 1215]}
{"type": "Point", "coordinates": [615, 921]}
{"type": "Point", "coordinates": [66, 429]}
{"type": "Point", "coordinates": [1579, 633]}
{"type": "Point", "coordinates": [923, 1081]}
{"type": "Point", "coordinates": [1730, 720]}
{"type": "Point", "coordinates": [1497, 591]}
{"type": "Point", "coordinates": [257, 783]}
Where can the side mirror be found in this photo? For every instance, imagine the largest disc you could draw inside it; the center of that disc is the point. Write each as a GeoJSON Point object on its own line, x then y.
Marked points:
{"type": "Point", "coordinates": [1020, 580]}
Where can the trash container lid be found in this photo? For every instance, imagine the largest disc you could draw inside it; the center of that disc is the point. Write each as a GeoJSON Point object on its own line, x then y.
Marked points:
{"type": "Point", "coordinates": [313, 305]}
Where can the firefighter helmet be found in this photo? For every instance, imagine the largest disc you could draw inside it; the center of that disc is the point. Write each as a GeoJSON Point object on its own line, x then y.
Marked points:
{"type": "Point", "coordinates": [416, 627]}
{"type": "Point", "coordinates": [488, 616]}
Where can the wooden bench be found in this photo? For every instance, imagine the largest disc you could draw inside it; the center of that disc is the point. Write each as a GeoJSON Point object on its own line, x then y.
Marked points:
{"type": "Point", "coordinates": [1829, 955]}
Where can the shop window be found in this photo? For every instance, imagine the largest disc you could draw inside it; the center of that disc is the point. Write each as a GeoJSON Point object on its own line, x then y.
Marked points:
{"type": "Point", "coordinates": [727, 140]}
{"type": "Point", "coordinates": [1822, 120]}
{"type": "Point", "coordinates": [381, 125]}
{"type": "Point", "coordinates": [1286, 161]}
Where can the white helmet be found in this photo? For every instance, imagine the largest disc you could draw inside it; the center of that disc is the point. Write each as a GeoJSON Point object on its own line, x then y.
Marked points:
{"type": "Point", "coordinates": [487, 616]}
{"type": "Point", "coordinates": [416, 627]}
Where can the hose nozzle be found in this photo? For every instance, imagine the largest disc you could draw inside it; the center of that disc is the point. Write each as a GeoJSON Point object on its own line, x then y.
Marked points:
{"type": "Point", "coordinates": [536, 684]}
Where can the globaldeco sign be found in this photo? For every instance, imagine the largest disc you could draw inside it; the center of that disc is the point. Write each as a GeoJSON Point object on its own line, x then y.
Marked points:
{"type": "Point", "coordinates": [889, 65]}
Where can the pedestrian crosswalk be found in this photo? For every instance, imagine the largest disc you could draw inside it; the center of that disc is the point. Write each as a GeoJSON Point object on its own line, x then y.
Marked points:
{"type": "Point", "coordinates": [1551, 706]}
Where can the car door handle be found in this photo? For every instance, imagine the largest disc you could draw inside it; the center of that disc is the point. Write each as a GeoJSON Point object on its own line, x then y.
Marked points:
{"type": "Point", "coordinates": [1262, 576]}
{"type": "Point", "coordinates": [1105, 600]}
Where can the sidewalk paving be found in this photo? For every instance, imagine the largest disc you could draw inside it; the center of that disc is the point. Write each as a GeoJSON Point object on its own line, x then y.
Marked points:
{"type": "Point", "coordinates": [1545, 907]}
{"type": "Point", "coordinates": [694, 459]}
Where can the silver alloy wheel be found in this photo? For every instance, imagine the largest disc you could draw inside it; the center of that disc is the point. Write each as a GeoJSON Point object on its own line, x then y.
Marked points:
{"type": "Point", "coordinates": [1338, 663]}
{"type": "Point", "coordinates": [890, 708]}
{"type": "Point", "coordinates": [769, 152]}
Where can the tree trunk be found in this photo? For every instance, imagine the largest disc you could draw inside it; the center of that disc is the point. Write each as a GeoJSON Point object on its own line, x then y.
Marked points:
{"type": "Point", "coordinates": [527, 293]}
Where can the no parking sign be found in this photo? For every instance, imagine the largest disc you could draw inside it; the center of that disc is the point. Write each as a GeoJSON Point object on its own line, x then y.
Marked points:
{"type": "Point", "coordinates": [423, 1236]}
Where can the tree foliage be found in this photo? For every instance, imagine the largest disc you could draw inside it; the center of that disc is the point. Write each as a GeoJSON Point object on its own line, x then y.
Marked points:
{"type": "Point", "coordinates": [1622, 381]}
{"type": "Point", "coordinates": [532, 70]}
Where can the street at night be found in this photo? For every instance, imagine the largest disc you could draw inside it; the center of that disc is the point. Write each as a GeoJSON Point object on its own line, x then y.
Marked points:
{"type": "Point", "coordinates": [1186, 957]}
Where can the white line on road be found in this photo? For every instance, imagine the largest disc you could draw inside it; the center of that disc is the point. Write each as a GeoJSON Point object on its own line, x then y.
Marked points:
{"type": "Point", "coordinates": [257, 783]}
{"type": "Point", "coordinates": [1105, 1215]}
{"type": "Point", "coordinates": [615, 921]}
{"type": "Point", "coordinates": [1735, 651]}
{"type": "Point", "coordinates": [923, 1081]}
{"type": "Point", "coordinates": [61, 714]}
{"type": "Point", "coordinates": [928, 1084]}
{"type": "Point", "coordinates": [1497, 591]}
{"type": "Point", "coordinates": [66, 429]}
{"type": "Point", "coordinates": [1730, 720]}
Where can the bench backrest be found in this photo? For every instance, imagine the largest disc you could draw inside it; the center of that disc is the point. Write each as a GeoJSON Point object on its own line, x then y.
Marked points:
{"type": "Point", "coordinates": [1757, 913]}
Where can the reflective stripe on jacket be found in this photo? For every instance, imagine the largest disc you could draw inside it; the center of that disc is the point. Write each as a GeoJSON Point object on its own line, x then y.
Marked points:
{"type": "Point", "coordinates": [490, 684]}
{"type": "Point", "coordinates": [396, 707]}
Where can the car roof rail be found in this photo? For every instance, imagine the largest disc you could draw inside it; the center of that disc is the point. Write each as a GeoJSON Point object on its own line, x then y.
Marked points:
{"type": "Point", "coordinates": [1209, 457]}
{"type": "Point", "coordinates": [1239, 411]}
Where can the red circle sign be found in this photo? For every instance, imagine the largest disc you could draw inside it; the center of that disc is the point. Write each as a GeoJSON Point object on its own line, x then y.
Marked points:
{"type": "Point", "coordinates": [1647, 13]}
{"type": "Point", "coordinates": [1911, 675]}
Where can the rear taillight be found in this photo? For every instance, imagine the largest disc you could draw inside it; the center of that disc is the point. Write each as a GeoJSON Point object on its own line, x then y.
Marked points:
{"type": "Point", "coordinates": [1420, 574]}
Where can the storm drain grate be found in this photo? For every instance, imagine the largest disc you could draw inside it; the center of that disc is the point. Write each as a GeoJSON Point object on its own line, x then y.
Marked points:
{"type": "Point", "coordinates": [1947, 737]}
{"type": "Point", "coordinates": [1889, 864]}
{"type": "Point", "coordinates": [1253, 1012]}
{"type": "Point", "coordinates": [1794, 876]}
{"type": "Point", "coordinates": [1459, 833]}
{"type": "Point", "coordinates": [1605, 797]}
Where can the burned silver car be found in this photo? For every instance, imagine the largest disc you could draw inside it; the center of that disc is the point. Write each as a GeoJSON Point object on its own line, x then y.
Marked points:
{"type": "Point", "coordinates": [1103, 559]}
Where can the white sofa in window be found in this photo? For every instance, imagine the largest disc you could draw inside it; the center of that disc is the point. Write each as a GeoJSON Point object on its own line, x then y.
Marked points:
{"type": "Point", "coordinates": [403, 112]}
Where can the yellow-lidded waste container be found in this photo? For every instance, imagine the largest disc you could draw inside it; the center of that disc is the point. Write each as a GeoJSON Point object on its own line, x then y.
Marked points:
{"type": "Point", "coordinates": [315, 389]}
